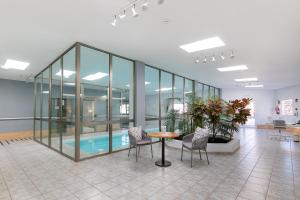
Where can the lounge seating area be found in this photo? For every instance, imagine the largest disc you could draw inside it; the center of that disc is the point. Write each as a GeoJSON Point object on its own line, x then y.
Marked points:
{"type": "Point", "coordinates": [149, 100]}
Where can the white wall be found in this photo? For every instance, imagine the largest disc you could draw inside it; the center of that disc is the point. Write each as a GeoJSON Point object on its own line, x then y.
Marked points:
{"type": "Point", "coordinates": [263, 101]}
{"type": "Point", "coordinates": [289, 93]}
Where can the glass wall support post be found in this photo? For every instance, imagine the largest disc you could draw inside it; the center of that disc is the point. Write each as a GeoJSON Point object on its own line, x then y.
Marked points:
{"type": "Point", "coordinates": [110, 105]}
{"type": "Point", "coordinates": [49, 106]}
{"type": "Point", "coordinates": [159, 99]}
{"type": "Point", "coordinates": [77, 107]}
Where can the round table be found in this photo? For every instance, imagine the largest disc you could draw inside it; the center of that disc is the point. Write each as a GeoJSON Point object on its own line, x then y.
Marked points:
{"type": "Point", "coordinates": [163, 136]}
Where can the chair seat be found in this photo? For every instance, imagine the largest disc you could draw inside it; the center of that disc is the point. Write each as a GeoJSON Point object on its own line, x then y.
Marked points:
{"type": "Point", "coordinates": [143, 142]}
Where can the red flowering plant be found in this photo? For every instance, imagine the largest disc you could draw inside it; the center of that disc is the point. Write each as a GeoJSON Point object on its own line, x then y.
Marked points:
{"type": "Point", "coordinates": [214, 113]}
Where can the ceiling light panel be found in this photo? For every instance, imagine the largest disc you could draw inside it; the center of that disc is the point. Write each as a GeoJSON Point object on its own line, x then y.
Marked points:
{"type": "Point", "coordinates": [232, 68]}
{"type": "Point", "coordinates": [14, 64]}
{"type": "Point", "coordinates": [200, 45]}
{"type": "Point", "coordinates": [246, 79]}
{"type": "Point", "coordinates": [67, 73]}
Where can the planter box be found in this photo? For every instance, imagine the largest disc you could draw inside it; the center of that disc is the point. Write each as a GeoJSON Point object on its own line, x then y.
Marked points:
{"type": "Point", "coordinates": [229, 147]}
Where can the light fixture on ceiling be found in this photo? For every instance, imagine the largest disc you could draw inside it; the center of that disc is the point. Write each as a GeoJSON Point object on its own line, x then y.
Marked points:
{"type": "Point", "coordinates": [222, 56]}
{"type": "Point", "coordinates": [246, 79]}
{"type": "Point", "coordinates": [134, 13]}
{"type": "Point", "coordinates": [67, 73]}
{"type": "Point", "coordinates": [232, 55]}
{"type": "Point", "coordinates": [160, 2]}
{"type": "Point", "coordinates": [96, 76]}
{"type": "Point", "coordinates": [213, 58]}
{"type": "Point", "coordinates": [122, 15]}
{"type": "Point", "coordinates": [200, 45]}
{"type": "Point", "coordinates": [145, 5]}
{"type": "Point", "coordinates": [114, 23]}
{"type": "Point", "coordinates": [146, 83]}
{"type": "Point", "coordinates": [254, 86]}
{"type": "Point", "coordinates": [232, 68]}
{"type": "Point", "coordinates": [14, 64]}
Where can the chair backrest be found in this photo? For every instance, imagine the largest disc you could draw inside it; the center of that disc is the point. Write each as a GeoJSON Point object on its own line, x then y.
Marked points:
{"type": "Point", "coordinates": [135, 134]}
{"type": "Point", "coordinates": [200, 143]}
{"type": "Point", "coordinates": [279, 124]}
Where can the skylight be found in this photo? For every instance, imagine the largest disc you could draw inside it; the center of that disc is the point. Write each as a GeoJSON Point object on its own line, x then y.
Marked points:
{"type": "Point", "coordinates": [95, 76]}
{"type": "Point", "coordinates": [67, 73]}
{"type": "Point", "coordinates": [200, 45]}
{"type": "Point", "coordinates": [233, 68]}
{"type": "Point", "coordinates": [14, 64]}
{"type": "Point", "coordinates": [246, 79]}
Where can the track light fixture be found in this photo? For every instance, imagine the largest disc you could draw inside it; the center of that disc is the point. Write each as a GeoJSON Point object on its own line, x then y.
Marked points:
{"type": "Point", "coordinates": [145, 5]}
{"type": "Point", "coordinates": [216, 57]}
{"type": "Point", "coordinates": [114, 23]}
{"type": "Point", "coordinates": [134, 13]}
{"type": "Point", "coordinates": [133, 6]}
{"type": "Point", "coordinates": [122, 15]}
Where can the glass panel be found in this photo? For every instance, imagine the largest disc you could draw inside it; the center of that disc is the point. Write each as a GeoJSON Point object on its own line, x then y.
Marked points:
{"type": "Point", "coordinates": [152, 126]}
{"type": "Point", "coordinates": [166, 93]}
{"type": "Point", "coordinates": [38, 94]}
{"type": "Point", "coordinates": [205, 92]}
{"type": "Point", "coordinates": [178, 94]}
{"type": "Point", "coordinates": [188, 91]}
{"type": "Point", "coordinates": [94, 77]}
{"type": "Point", "coordinates": [199, 89]}
{"type": "Point", "coordinates": [151, 94]}
{"type": "Point", "coordinates": [122, 93]}
{"type": "Point", "coordinates": [211, 92]}
{"type": "Point", "coordinates": [120, 139]}
{"type": "Point", "coordinates": [68, 103]}
{"type": "Point", "coordinates": [45, 106]}
{"type": "Point", "coordinates": [55, 105]}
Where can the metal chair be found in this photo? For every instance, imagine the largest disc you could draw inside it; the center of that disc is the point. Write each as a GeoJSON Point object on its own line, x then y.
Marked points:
{"type": "Point", "coordinates": [136, 143]}
{"type": "Point", "coordinates": [198, 144]}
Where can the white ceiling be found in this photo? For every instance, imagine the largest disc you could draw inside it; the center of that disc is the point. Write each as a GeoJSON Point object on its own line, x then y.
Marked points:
{"type": "Point", "coordinates": [265, 35]}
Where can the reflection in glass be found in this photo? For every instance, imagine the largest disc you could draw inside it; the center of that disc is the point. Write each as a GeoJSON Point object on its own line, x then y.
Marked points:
{"type": "Point", "coordinates": [205, 92]}
{"type": "Point", "coordinates": [94, 87]}
{"type": "Point", "coordinates": [211, 92]}
{"type": "Point", "coordinates": [199, 89]}
{"type": "Point", "coordinates": [188, 91]}
{"type": "Point", "coordinates": [45, 106]}
{"type": "Point", "coordinates": [55, 105]}
{"type": "Point", "coordinates": [68, 103]}
{"type": "Point", "coordinates": [38, 94]}
{"type": "Point", "coordinates": [122, 96]}
{"type": "Point", "coordinates": [151, 95]}
{"type": "Point", "coordinates": [165, 93]}
{"type": "Point", "coordinates": [178, 94]}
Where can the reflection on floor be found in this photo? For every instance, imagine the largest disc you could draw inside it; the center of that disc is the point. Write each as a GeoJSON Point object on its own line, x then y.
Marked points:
{"type": "Point", "coordinates": [260, 169]}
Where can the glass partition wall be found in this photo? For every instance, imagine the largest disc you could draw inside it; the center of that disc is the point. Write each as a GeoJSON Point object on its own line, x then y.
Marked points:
{"type": "Point", "coordinates": [84, 103]}
{"type": "Point", "coordinates": [165, 91]}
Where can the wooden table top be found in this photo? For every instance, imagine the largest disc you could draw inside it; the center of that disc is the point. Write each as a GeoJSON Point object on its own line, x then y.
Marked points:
{"type": "Point", "coordinates": [163, 134]}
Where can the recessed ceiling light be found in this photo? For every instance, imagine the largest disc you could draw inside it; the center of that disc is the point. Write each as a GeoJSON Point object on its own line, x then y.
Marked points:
{"type": "Point", "coordinates": [209, 43]}
{"type": "Point", "coordinates": [95, 76]}
{"type": "Point", "coordinates": [14, 64]}
{"type": "Point", "coordinates": [67, 73]}
{"type": "Point", "coordinates": [254, 86]}
{"type": "Point", "coordinates": [232, 68]}
{"type": "Point", "coordinates": [246, 79]}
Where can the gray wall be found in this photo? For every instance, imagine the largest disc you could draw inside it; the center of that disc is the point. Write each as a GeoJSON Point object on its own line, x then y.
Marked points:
{"type": "Point", "coordinates": [16, 100]}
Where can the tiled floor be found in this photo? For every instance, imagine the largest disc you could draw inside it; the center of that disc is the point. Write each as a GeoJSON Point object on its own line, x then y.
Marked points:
{"type": "Point", "coordinates": [260, 169]}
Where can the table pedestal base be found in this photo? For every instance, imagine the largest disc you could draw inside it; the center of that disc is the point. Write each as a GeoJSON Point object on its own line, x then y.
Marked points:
{"type": "Point", "coordinates": [161, 164]}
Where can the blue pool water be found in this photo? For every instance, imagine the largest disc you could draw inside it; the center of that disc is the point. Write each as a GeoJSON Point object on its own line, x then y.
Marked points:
{"type": "Point", "coordinates": [100, 143]}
